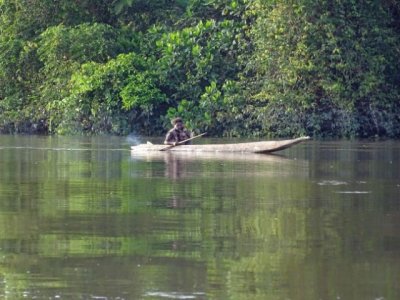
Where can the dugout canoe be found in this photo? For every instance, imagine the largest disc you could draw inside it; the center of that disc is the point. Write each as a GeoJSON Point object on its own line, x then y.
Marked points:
{"type": "Point", "coordinates": [252, 147]}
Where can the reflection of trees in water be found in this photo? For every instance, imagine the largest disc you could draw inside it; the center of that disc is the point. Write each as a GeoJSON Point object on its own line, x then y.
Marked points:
{"type": "Point", "coordinates": [174, 167]}
{"type": "Point", "coordinates": [238, 229]}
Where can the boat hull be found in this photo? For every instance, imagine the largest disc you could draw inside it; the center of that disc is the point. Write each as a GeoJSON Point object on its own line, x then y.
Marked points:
{"type": "Point", "coordinates": [253, 147]}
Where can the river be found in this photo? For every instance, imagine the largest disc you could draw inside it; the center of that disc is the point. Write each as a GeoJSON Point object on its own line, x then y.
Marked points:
{"type": "Point", "coordinates": [83, 218]}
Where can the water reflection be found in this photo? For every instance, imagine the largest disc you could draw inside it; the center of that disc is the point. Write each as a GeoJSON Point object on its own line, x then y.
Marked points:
{"type": "Point", "coordinates": [174, 167]}
{"type": "Point", "coordinates": [184, 165]}
{"type": "Point", "coordinates": [320, 222]}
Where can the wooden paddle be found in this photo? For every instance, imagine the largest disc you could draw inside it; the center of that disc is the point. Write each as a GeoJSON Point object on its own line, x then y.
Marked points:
{"type": "Point", "coordinates": [182, 142]}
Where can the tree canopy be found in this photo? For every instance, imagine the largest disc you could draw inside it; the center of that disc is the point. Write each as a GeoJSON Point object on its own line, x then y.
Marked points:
{"type": "Point", "coordinates": [228, 67]}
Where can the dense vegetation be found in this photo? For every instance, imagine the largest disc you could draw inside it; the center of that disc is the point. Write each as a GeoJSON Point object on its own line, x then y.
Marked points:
{"type": "Point", "coordinates": [229, 67]}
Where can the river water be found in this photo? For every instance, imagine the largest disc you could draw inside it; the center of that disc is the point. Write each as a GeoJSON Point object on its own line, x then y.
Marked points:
{"type": "Point", "coordinates": [83, 218]}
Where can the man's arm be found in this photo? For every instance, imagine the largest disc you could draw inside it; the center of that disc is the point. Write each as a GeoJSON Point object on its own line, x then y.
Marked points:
{"type": "Point", "coordinates": [170, 138]}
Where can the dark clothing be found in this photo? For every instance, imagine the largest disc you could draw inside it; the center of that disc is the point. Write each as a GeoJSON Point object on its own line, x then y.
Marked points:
{"type": "Point", "coordinates": [175, 136]}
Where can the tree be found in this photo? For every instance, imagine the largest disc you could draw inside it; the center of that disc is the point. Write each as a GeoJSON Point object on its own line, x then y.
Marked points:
{"type": "Point", "coordinates": [327, 68]}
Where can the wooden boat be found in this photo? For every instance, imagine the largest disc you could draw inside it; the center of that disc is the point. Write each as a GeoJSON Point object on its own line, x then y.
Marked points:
{"type": "Point", "coordinates": [252, 147]}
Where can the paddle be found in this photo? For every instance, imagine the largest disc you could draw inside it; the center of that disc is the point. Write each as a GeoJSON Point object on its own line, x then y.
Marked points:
{"type": "Point", "coordinates": [182, 142]}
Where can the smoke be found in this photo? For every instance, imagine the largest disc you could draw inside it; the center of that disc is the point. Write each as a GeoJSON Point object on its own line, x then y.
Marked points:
{"type": "Point", "coordinates": [133, 139]}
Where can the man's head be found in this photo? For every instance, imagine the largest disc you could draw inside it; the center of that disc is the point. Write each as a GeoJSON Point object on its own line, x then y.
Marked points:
{"type": "Point", "coordinates": [178, 123]}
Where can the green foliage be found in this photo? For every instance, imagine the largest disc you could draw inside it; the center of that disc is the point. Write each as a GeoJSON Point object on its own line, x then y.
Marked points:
{"type": "Point", "coordinates": [105, 98]}
{"type": "Point", "coordinates": [200, 9]}
{"type": "Point", "coordinates": [218, 112]}
{"type": "Point", "coordinates": [62, 51]}
{"type": "Point", "coordinates": [228, 67]}
{"type": "Point", "coordinates": [329, 67]}
{"type": "Point", "coordinates": [18, 73]}
{"type": "Point", "coordinates": [85, 42]}
{"type": "Point", "coordinates": [142, 15]}
{"type": "Point", "coordinates": [35, 67]}
{"type": "Point", "coordinates": [141, 91]}
{"type": "Point", "coordinates": [198, 61]}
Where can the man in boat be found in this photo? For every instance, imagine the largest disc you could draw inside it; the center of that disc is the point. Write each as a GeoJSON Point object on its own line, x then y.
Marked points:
{"type": "Point", "coordinates": [178, 133]}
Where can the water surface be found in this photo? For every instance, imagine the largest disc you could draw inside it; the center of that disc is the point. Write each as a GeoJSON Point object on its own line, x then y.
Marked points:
{"type": "Point", "coordinates": [82, 218]}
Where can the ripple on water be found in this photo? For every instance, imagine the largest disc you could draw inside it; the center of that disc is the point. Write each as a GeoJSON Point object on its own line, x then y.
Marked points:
{"type": "Point", "coordinates": [175, 295]}
{"type": "Point", "coordinates": [353, 192]}
{"type": "Point", "coordinates": [332, 182]}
